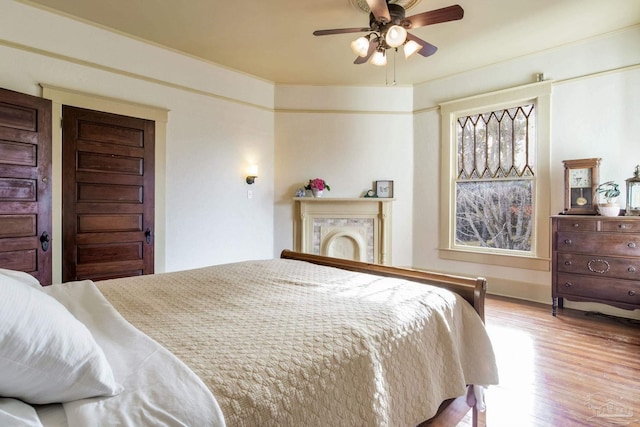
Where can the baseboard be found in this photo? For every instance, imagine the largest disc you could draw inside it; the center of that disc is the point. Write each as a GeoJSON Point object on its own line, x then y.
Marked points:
{"type": "Point", "coordinates": [542, 294]}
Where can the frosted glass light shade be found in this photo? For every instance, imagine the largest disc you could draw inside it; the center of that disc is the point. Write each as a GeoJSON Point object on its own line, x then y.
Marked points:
{"type": "Point", "coordinates": [410, 48]}
{"type": "Point", "coordinates": [379, 58]}
{"type": "Point", "coordinates": [396, 35]}
{"type": "Point", "coordinates": [360, 46]}
{"type": "Point", "coordinates": [252, 174]}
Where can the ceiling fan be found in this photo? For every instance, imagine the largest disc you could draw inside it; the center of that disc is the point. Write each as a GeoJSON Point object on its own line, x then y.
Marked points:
{"type": "Point", "coordinates": [388, 30]}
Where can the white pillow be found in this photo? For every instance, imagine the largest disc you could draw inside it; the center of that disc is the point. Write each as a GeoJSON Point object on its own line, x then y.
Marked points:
{"type": "Point", "coordinates": [46, 354]}
{"type": "Point", "coordinates": [20, 276]}
{"type": "Point", "coordinates": [14, 413]}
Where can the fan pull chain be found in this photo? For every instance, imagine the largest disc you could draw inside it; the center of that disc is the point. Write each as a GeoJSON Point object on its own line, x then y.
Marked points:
{"type": "Point", "coordinates": [395, 54]}
{"type": "Point", "coordinates": [386, 74]}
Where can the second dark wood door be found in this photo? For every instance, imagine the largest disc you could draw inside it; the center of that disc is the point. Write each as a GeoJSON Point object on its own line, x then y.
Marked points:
{"type": "Point", "coordinates": [108, 195]}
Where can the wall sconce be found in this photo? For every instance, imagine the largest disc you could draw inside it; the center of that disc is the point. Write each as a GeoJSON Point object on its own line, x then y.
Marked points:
{"type": "Point", "coordinates": [252, 174]}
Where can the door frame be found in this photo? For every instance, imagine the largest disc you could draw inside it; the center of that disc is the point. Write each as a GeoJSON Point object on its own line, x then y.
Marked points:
{"type": "Point", "coordinates": [60, 97]}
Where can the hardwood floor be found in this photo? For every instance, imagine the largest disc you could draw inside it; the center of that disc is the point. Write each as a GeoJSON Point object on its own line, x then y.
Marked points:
{"type": "Point", "coordinates": [575, 369]}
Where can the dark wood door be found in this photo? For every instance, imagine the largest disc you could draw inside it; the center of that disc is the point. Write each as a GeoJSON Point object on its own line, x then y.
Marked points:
{"type": "Point", "coordinates": [25, 184]}
{"type": "Point", "coordinates": [108, 195]}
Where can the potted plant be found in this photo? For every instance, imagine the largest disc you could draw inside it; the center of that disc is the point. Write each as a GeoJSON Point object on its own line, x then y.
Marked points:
{"type": "Point", "coordinates": [609, 191]}
{"type": "Point", "coordinates": [317, 186]}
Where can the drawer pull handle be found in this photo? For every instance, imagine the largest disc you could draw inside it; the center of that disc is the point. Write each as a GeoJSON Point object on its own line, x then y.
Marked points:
{"type": "Point", "coordinates": [631, 269]}
{"type": "Point", "coordinates": [632, 293]}
{"type": "Point", "coordinates": [567, 241]}
{"type": "Point", "coordinates": [568, 262]}
{"type": "Point", "coordinates": [632, 245]}
{"type": "Point", "coordinates": [623, 226]}
{"type": "Point", "coordinates": [576, 225]}
{"type": "Point", "coordinates": [568, 285]}
{"type": "Point", "coordinates": [603, 267]}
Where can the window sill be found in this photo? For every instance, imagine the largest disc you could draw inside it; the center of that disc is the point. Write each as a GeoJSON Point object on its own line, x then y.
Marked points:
{"type": "Point", "coordinates": [515, 261]}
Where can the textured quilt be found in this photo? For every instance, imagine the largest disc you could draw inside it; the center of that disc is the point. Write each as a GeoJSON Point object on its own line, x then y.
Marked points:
{"type": "Point", "coordinates": [288, 343]}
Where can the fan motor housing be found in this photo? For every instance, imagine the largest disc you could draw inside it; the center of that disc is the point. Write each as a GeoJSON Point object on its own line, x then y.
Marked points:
{"type": "Point", "coordinates": [397, 14]}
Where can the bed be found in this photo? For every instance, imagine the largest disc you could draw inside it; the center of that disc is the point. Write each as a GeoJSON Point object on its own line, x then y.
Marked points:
{"type": "Point", "coordinates": [299, 340]}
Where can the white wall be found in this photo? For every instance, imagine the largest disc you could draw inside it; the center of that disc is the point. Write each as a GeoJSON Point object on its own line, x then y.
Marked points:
{"type": "Point", "coordinates": [350, 137]}
{"type": "Point", "coordinates": [595, 102]}
{"type": "Point", "coordinates": [219, 122]}
{"type": "Point", "coordinates": [210, 218]}
{"type": "Point", "coordinates": [344, 135]}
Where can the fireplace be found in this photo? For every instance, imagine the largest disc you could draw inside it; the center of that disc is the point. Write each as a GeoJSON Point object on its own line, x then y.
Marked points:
{"type": "Point", "coordinates": [355, 229]}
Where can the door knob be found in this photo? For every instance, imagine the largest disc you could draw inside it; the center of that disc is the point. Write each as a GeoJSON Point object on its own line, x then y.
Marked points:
{"type": "Point", "coordinates": [44, 241]}
{"type": "Point", "coordinates": [147, 235]}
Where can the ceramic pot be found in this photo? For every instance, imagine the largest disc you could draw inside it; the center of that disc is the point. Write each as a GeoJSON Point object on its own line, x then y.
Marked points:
{"type": "Point", "coordinates": [609, 209]}
{"type": "Point", "coordinates": [316, 192]}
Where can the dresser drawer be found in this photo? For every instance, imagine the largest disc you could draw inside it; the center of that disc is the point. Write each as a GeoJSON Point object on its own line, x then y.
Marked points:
{"type": "Point", "coordinates": [619, 226]}
{"type": "Point", "coordinates": [577, 224]}
{"type": "Point", "coordinates": [612, 290]}
{"type": "Point", "coordinates": [599, 243]}
{"type": "Point", "coordinates": [601, 266]}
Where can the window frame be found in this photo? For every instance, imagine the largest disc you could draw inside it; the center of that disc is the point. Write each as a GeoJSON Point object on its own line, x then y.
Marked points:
{"type": "Point", "coordinates": [539, 259]}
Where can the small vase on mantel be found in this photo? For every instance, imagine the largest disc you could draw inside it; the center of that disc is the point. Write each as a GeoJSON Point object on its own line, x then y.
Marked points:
{"type": "Point", "coordinates": [316, 192]}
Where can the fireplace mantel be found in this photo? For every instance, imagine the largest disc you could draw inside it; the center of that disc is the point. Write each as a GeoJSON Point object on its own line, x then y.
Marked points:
{"type": "Point", "coordinates": [351, 228]}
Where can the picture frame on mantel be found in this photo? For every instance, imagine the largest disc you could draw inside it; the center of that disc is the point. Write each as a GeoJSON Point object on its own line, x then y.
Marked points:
{"type": "Point", "coordinates": [384, 189]}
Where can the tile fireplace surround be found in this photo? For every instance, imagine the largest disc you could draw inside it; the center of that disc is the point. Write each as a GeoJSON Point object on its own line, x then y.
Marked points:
{"type": "Point", "coordinates": [356, 229]}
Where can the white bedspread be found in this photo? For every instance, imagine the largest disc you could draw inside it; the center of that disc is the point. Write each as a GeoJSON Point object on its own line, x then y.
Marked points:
{"type": "Point", "coordinates": [287, 343]}
{"type": "Point", "coordinates": [159, 390]}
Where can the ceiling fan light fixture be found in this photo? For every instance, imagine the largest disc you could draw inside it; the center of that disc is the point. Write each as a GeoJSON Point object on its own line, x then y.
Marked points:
{"type": "Point", "coordinates": [396, 36]}
{"type": "Point", "coordinates": [360, 46]}
{"type": "Point", "coordinates": [379, 58]}
{"type": "Point", "coordinates": [410, 48]}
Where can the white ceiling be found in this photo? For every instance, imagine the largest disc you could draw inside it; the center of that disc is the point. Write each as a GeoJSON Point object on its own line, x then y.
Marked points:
{"type": "Point", "coordinates": [272, 39]}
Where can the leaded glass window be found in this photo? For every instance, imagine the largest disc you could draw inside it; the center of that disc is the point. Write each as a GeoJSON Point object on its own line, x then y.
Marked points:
{"type": "Point", "coordinates": [495, 179]}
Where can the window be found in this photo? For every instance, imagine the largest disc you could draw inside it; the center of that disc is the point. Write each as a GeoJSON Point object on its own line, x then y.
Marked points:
{"type": "Point", "coordinates": [494, 186]}
{"type": "Point", "coordinates": [495, 197]}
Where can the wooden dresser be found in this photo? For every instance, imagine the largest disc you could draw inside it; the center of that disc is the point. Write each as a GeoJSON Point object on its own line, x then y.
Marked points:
{"type": "Point", "coordinates": [597, 259]}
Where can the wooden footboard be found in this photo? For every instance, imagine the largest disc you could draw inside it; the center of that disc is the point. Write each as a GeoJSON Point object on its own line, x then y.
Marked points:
{"type": "Point", "coordinates": [472, 290]}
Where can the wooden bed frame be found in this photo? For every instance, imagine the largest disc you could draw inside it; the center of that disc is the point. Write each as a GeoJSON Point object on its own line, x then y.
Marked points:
{"type": "Point", "coordinates": [473, 290]}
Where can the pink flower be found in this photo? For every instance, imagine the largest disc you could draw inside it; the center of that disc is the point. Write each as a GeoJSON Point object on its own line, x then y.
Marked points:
{"type": "Point", "coordinates": [318, 184]}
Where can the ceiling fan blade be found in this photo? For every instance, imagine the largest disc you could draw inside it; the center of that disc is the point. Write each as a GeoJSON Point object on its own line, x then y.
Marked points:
{"type": "Point", "coordinates": [373, 45]}
{"type": "Point", "coordinates": [380, 10]}
{"type": "Point", "coordinates": [446, 14]}
{"type": "Point", "coordinates": [427, 48]}
{"type": "Point", "coordinates": [340, 31]}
